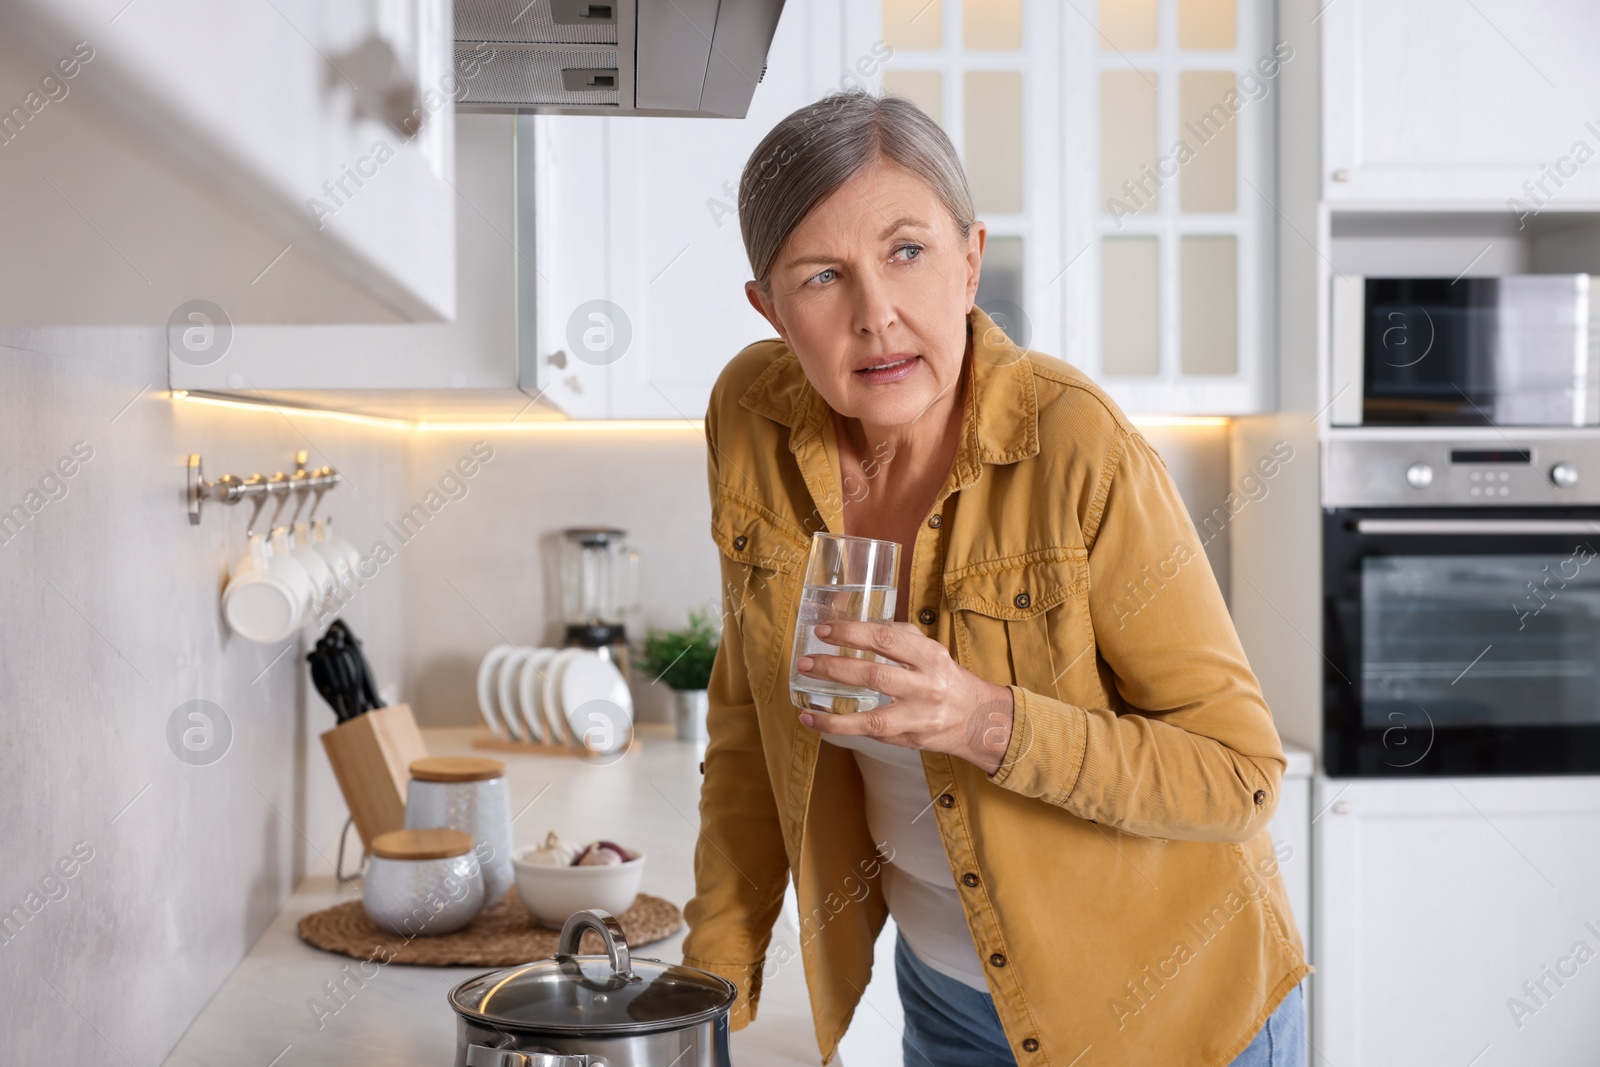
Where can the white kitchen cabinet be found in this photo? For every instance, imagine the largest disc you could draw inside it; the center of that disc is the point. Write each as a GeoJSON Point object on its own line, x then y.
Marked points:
{"type": "Point", "coordinates": [223, 152]}
{"type": "Point", "coordinates": [641, 266]}
{"type": "Point", "coordinates": [1438, 101]}
{"type": "Point", "coordinates": [1016, 84]}
{"type": "Point", "coordinates": [1291, 834]}
{"type": "Point", "coordinates": [1169, 118]}
{"type": "Point", "coordinates": [1457, 921]}
{"type": "Point", "coordinates": [439, 371]}
{"type": "Point", "coordinates": [640, 298]}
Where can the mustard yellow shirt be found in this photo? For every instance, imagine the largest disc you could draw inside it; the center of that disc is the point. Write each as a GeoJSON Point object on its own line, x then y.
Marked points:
{"type": "Point", "coordinates": [1116, 872]}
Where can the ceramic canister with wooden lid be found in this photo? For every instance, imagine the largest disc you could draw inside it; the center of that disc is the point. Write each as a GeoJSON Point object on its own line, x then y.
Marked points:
{"type": "Point", "coordinates": [421, 883]}
{"type": "Point", "coordinates": [467, 793]}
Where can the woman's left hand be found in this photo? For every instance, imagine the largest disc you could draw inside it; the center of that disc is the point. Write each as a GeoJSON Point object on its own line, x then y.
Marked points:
{"type": "Point", "coordinates": [938, 704]}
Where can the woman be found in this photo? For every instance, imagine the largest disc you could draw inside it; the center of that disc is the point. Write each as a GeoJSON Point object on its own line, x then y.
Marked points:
{"type": "Point", "coordinates": [1065, 804]}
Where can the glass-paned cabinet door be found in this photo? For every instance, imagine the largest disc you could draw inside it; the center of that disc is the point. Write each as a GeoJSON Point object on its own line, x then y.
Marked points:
{"type": "Point", "coordinates": [1169, 112]}
{"type": "Point", "coordinates": [989, 72]}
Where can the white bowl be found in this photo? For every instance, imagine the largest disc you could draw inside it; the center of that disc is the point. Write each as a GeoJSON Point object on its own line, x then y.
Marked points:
{"type": "Point", "coordinates": [552, 894]}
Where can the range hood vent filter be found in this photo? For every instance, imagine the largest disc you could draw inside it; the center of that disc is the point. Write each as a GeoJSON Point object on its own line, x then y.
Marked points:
{"type": "Point", "coordinates": [520, 75]}
{"type": "Point", "coordinates": [522, 22]}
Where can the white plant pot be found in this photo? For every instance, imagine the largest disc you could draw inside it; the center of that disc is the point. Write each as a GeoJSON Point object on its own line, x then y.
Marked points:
{"type": "Point", "coordinates": [689, 711]}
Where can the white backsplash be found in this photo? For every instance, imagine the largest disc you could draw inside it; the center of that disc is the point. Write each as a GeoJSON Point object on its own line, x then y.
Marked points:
{"type": "Point", "coordinates": [109, 621]}
{"type": "Point", "coordinates": [482, 571]}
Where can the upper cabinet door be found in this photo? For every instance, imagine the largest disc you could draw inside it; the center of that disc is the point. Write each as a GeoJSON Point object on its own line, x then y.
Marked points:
{"type": "Point", "coordinates": [287, 161]}
{"type": "Point", "coordinates": [1489, 103]}
{"type": "Point", "coordinates": [371, 365]}
{"type": "Point", "coordinates": [641, 264]}
{"type": "Point", "coordinates": [1120, 153]}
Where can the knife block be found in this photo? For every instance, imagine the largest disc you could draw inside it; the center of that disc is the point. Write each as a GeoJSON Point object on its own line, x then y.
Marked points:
{"type": "Point", "coordinates": [371, 757]}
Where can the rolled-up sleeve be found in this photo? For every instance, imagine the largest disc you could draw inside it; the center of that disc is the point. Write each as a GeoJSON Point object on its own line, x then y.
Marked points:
{"type": "Point", "coordinates": [1195, 754]}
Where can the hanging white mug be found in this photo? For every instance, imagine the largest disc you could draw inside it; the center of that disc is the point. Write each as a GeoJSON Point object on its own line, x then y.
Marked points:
{"type": "Point", "coordinates": [322, 576]}
{"type": "Point", "coordinates": [267, 597]}
{"type": "Point", "coordinates": [342, 556]}
{"type": "Point", "coordinates": [333, 557]}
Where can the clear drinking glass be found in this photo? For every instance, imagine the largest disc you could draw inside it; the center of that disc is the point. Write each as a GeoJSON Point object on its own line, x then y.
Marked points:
{"type": "Point", "coordinates": [846, 578]}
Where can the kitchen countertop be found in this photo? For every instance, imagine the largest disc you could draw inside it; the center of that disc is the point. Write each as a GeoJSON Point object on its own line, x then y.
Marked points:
{"type": "Point", "coordinates": [648, 800]}
{"type": "Point", "coordinates": [263, 1014]}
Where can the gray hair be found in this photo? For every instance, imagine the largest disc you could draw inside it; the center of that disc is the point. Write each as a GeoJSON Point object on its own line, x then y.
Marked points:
{"type": "Point", "coordinates": [818, 148]}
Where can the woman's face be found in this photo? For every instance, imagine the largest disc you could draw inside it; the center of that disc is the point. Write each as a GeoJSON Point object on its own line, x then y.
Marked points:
{"type": "Point", "coordinates": [871, 293]}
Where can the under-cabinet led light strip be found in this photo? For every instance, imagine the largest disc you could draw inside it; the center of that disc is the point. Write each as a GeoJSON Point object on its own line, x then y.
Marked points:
{"type": "Point", "coordinates": [547, 424]}
{"type": "Point", "coordinates": [568, 425]}
{"type": "Point", "coordinates": [295, 409]}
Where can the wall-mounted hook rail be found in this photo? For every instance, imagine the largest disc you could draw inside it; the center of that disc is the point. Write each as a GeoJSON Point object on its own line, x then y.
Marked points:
{"type": "Point", "coordinates": [231, 489]}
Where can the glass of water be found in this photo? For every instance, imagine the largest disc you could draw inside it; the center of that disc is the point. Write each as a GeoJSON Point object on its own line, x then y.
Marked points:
{"type": "Point", "coordinates": [847, 578]}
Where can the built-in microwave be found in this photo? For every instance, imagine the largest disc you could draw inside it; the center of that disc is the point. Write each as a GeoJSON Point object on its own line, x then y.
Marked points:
{"type": "Point", "coordinates": [1461, 604]}
{"type": "Point", "coordinates": [1513, 350]}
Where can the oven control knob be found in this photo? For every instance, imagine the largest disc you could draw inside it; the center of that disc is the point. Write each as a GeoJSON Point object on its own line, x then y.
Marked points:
{"type": "Point", "coordinates": [1419, 476]}
{"type": "Point", "coordinates": [1564, 475]}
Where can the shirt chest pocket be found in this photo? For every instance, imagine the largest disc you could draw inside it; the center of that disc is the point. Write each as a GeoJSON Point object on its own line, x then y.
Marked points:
{"type": "Point", "coordinates": [1024, 619]}
{"type": "Point", "coordinates": [762, 563]}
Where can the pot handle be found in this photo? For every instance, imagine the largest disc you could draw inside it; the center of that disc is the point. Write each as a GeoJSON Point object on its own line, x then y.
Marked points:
{"type": "Point", "coordinates": [483, 1056]}
{"type": "Point", "coordinates": [610, 931]}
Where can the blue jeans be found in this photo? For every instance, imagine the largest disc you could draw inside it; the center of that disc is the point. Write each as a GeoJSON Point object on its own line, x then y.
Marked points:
{"type": "Point", "coordinates": [948, 1024]}
{"type": "Point", "coordinates": [1282, 1041]}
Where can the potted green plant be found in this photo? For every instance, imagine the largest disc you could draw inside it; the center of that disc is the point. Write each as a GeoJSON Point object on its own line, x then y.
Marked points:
{"type": "Point", "coordinates": [682, 659]}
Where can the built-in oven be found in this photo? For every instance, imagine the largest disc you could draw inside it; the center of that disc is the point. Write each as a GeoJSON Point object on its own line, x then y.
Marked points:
{"type": "Point", "coordinates": [1461, 605]}
{"type": "Point", "coordinates": [1513, 350]}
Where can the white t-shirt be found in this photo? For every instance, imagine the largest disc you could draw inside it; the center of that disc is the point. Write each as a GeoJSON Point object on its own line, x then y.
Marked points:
{"type": "Point", "coordinates": [917, 884]}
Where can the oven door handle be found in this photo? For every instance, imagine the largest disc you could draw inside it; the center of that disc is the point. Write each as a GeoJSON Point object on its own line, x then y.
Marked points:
{"type": "Point", "coordinates": [1477, 526]}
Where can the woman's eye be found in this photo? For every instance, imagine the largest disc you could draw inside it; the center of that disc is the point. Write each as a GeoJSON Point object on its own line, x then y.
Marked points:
{"type": "Point", "coordinates": [824, 275]}
{"type": "Point", "coordinates": [911, 252]}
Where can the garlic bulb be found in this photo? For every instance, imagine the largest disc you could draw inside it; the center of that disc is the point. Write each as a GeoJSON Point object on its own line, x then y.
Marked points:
{"type": "Point", "coordinates": [554, 852]}
{"type": "Point", "coordinates": [601, 854]}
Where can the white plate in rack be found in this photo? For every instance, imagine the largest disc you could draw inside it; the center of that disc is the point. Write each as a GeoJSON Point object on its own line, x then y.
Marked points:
{"type": "Point", "coordinates": [555, 715]}
{"type": "Point", "coordinates": [530, 685]}
{"type": "Point", "coordinates": [596, 704]}
{"type": "Point", "coordinates": [509, 707]}
{"type": "Point", "coordinates": [488, 685]}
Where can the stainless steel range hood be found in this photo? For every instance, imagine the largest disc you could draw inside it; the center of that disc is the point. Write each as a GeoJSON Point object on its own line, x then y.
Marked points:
{"type": "Point", "coordinates": [613, 57]}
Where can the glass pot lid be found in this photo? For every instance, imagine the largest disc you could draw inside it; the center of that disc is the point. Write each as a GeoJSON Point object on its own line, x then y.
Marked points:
{"type": "Point", "coordinates": [613, 993]}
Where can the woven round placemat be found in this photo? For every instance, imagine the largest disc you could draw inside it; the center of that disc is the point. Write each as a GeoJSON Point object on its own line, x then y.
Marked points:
{"type": "Point", "coordinates": [501, 935]}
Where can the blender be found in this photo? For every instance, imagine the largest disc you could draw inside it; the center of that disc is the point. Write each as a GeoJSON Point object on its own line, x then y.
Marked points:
{"type": "Point", "coordinates": [599, 585]}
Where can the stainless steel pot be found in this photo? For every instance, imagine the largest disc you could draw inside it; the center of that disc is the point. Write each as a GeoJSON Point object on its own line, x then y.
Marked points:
{"type": "Point", "coordinates": [593, 1011]}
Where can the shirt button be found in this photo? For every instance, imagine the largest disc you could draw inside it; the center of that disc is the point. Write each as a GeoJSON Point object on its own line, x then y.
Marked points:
{"type": "Point", "coordinates": [1030, 1044]}
{"type": "Point", "coordinates": [1261, 796]}
{"type": "Point", "coordinates": [969, 879]}
{"type": "Point", "coordinates": [946, 800]}
{"type": "Point", "coordinates": [1022, 600]}
{"type": "Point", "coordinates": [936, 521]}
{"type": "Point", "coordinates": [997, 960]}
{"type": "Point", "coordinates": [740, 541]}
{"type": "Point", "coordinates": [926, 616]}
